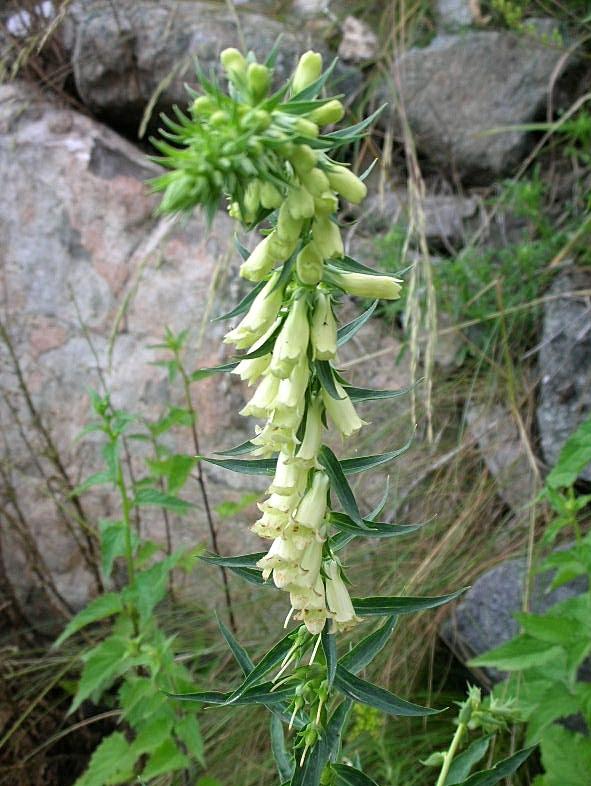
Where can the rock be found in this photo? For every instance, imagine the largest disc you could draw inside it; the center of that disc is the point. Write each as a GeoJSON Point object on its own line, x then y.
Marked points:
{"type": "Point", "coordinates": [77, 224]}
{"type": "Point", "coordinates": [484, 619]}
{"type": "Point", "coordinates": [461, 86]}
{"type": "Point", "coordinates": [359, 43]}
{"type": "Point", "coordinates": [453, 14]}
{"type": "Point", "coordinates": [565, 364]}
{"type": "Point", "coordinates": [143, 51]}
{"type": "Point", "coordinates": [446, 215]}
{"type": "Point", "coordinates": [504, 453]}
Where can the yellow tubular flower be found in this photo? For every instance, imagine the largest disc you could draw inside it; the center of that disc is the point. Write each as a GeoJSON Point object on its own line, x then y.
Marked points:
{"type": "Point", "coordinates": [307, 71]}
{"type": "Point", "coordinates": [315, 181]}
{"type": "Point", "coordinates": [263, 399]}
{"type": "Point", "coordinates": [289, 478]}
{"type": "Point", "coordinates": [365, 285]}
{"type": "Point", "coordinates": [337, 598]}
{"type": "Point", "coordinates": [309, 264]}
{"type": "Point", "coordinates": [347, 184]}
{"type": "Point", "coordinates": [308, 450]}
{"type": "Point", "coordinates": [327, 237]}
{"type": "Point", "coordinates": [303, 159]}
{"type": "Point", "coordinates": [332, 112]}
{"type": "Point", "coordinates": [259, 263]}
{"type": "Point", "coordinates": [312, 509]}
{"type": "Point", "coordinates": [251, 370]}
{"type": "Point", "coordinates": [292, 341]}
{"type": "Point", "coordinates": [288, 227]}
{"type": "Point", "coordinates": [300, 203]}
{"type": "Point", "coordinates": [260, 316]}
{"type": "Point", "coordinates": [323, 329]}
{"type": "Point", "coordinates": [342, 412]}
{"type": "Point", "coordinates": [233, 62]}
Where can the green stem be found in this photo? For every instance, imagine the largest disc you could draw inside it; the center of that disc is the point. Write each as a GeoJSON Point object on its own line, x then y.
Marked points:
{"type": "Point", "coordinates": [125, 511]}
{"type": "Point", "coordinates": [450, 753]}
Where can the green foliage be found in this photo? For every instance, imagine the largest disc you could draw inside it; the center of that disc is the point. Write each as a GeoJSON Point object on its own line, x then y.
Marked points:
{"type": "Point", "coordinates": [544, 660]}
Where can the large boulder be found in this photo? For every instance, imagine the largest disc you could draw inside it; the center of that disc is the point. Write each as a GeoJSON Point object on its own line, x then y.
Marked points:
{"type": "Point", "coordinates": [565, 363]}
{"type": "Point", "coordinates": [134, 53]}
{"type": "Point", "coordinates": [81, 245]}
{"type": "Point", "coordinates": [463, 86]}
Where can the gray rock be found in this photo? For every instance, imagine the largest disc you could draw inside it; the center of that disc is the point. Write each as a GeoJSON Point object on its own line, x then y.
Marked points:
{"type": "Point", "coordinates": [145, 50]}
{"type": "Point", "coordinates": [453, 14]}
{"type": "Point", "coordinates": [461, 86]}
{"type": "Point", "coordinates": [504, 453]}
{"type": "Point", "coordinates": [77, 223]}
{"type": "Point", "coordinates": [484, 619]}
{"type": "Point", "coordinates": [565, 364]}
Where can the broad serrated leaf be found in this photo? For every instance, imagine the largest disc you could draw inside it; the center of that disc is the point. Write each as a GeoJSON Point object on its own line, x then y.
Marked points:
{"type": "Point", "coordinates": [188, 732]}
{"type": "Point", "coordinates": [566, 757]}
{"type": "Point", "coordinates": [574, 456]}
{"type": "Point", "coordinates": [102, 478]}
{"type": "Point", "coordinates": [166, 758]}
{"type": "Point", "coordinates": [344, 775]}
{"type": "Point", "coordinates": [503, 769]}
{"type": "Point", "coordinates": [111, 763]}
{"type": "Point", "coordinates": [522, 652]}
{"type": "Point", "coordinates": [339, 484]}
{"type": "Point", "coordinates": [113, 541]}
{"type": "Point", "coordinates": [102, 665]}
{"type": "Point", "coordinates": [98, 609]}
{"type": "Point", "coordinates": [387, 605]}
{"type": "Point", "coordinates": [176, 416]}
{"type": "Point", "coordinates": [365, 693]}
{"type": "Point", "coordinates": [151, 497]}
{"type": "Point", "coordinates": [366, 650]}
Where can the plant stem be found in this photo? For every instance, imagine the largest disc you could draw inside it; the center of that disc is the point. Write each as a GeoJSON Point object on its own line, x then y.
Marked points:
{"type": "Point", "coordinates": [125, 509]}
{"type": "Point", "coordinates": [204, 495]}
{"type": "Point", "coordinates": [450, 753]}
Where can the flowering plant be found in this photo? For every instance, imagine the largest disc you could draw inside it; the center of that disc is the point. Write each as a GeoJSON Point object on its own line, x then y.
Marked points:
{"type": "Point", "coordinates": [267, 153]}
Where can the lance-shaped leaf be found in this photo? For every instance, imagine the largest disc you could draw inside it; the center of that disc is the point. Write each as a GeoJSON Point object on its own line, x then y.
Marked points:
{"type": "Point", "coordinates": [367, 607]}
{"type": "Point", "coordinates": [335, 728]}
{"type": "Point", "coordinates": [244, 253]}
{"type": "Point", "coordinates": [345, 135]}
{"type": "Point", "coordinates": [284, 762]}
{"type": "Point", "coordinates": [239, 450]}
{"type": "Point", "coordinates": [244, 466]}
{"type": "Point", "coordinates": [372, 529]}
{"type": "Point", "coordinates": [244, 304]}
{"type": "Point", "coordinates": [265, 348]}
{"type": "Point", "coordinates": [339, 484]}
{"type": "Point", "coordinates": [502, 769]}
{"type": "Point", "coordinates": [240, 654]}
{"type": "Point", "coordinates": [309, 774]}
{"type": "Point", "coordinates": [362, 654]}
{"type": "Point", "coordinates": [352, 466]}
{"type": "Point", "coordinates": [350, 265]}
{"type": "Point", "coordinates": [467, 760]}
{"type": "Point", "coordinates": [379, 508]}
{"type": "Point", "coordinates": [325, 374]}
{"type": "Point", "coordinates": [200, 697]}
{"type": "Point", "coordinates": [347, 332]}
{"type": "Point", "coordinates": [349, 776]}
{"type": "Point", "coordinates": [268, 662]}
{"type": "Point", "coordinates": [329, 647]}
{"type": "Point", "coordinates": [371, 394]}
{"type": "Point", "coordinates": [203, 373]}
{"type": "Point", "coordinates": [241, 566]}
{"type": "Point", "coordinates": [365, 693]}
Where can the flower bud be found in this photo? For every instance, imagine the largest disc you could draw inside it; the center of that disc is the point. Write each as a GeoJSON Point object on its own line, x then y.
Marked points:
{"type": "Point", "coordinates": [306, 128]}
{"type": "Point", "coordinates": [315, 181]}
{"type": "Point", "coordinates": [203, 105]}
{"type": "Point", "coordinates": [263, 400]}
{"type": "Point", "coordinates": [308, 450]}
{"type": "Point", "coordinates": [300, 203]}
{"type": "Point", "coordinates": [303, 158]}
{"type": "Point", "coordinates": [337, 597]}
{"type": "Point", "coordinates": [347, 184]}
{"type": "Point", "coordinates": [250, 370]}
{"type": "Point", "coordinates": [288, 227]}
{"type": "Point", "coordinates": [307, 71]}
{"type": "Point", "coordinates": [331, 112]}
{"type": "Point", "coordinates": [259, 317]}
{"type": "Point", "coordinates": [256, 120]}
{"type": "Point", "coordinates": [271, 198]}
{"type": "Point", "coordinates": [365, 285]}
{"type": "Point", "coordinates": [309, 264]}
{"type": "Point", "coordinates": [289, 478]}
{"type": "Point", "coordinates": [323, 329]}
{"type": "Point", "coordinates": [293, 389]}
{"type": "Point", "coordinates": [219, 118]}
{"type": "Point", "coordinates": [342, 412]}
{"type": "Point", "coordinates": [233, 62]}
{"type": "Point", "coordinates": [292, 341]}
{"type": "Point", "coordinates": [259, 79]}
{"type": "Point", "coordinates": [326, 203]}
{"type": "Point", "coordinates": [259, 263]}
{"type": "Point", "coordinates": [252, 197]}
{"type": "Point", "coordinates": [327, 237]}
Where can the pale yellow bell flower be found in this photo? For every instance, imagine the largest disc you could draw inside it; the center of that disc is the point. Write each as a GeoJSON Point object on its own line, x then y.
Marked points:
{"type": "Point", "coordinates": [259, 317]}
{"type": "Point", "coordinates": [368, 286]}
{"type": "Point", "coordinates": [263, 400]}
{"type": "Point", "coordinates": [337, 597]}
{"type": "Point", "coordinates": [342, 412]}
{"type": "Point", "coordinates": [307, 71]}
{"type": "Point", "coordinates": [308, 450]}
{"type": "Point", "coordinates": [292, 341]}
{"type": "Point", "coordinates": [323, 329]}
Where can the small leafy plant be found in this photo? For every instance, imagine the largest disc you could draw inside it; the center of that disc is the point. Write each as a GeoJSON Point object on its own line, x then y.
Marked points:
{"type": "Point", "coordinates": [545, 660]}
{"type": "Point", "coordinates": [269, 154]}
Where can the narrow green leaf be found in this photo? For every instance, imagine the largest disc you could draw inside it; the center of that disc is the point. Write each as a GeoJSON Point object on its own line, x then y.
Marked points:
{"type": "Point", "coordinates": [335, 728]}
{"type": "Point", "coordinates": [379, 508]}
{"type": "Point", "coordinates": [350, 265]}
{"type": "Point", "coordinates": [242, 561]}
{"type": "Point", "coordinates": [362, 463]}
{"type": "Point", "coordinates": [347, 332]}
{"type": "Point", "coordinates": [240, 654]}
{"type": "Point", "coordinates": [502, 769]}
{"type": "Point", "coordinates": [366, 650]}
{"type": "Point", "coordinates": [467, 760]}
{"type": "Point", "coordinates": [244, 466]}
{"type": "Point", "coordinates": [345, 134]}
{"type": "Point", "coordinates": [365, 693]}
{"type": "Point", "coordinates": [369, 394]}
{"type": "Point", "coordinates": [325, 375]}
{"type": "Point", "coordinates": [239, 450]}
{"type": "Point", "coordinates": [349, 776]}
{"type": "Point", "coordinates": [372, 529]}
{"type": "Point", "coordinates": [244, 304]}
{"type": "Point", "coordinates": [267, 663]}
{"type": "Point", "coordinates": [283, 760]}
{"type": "Point", "coordinates": [329, 647]}
{"type": "Point", "coordinates": [244, 254]}
{"type": "Point", "coordinates": [98, 609]}
{"type": "Point", "coordinates": [382, 606]}
{"type": "Point", "coordinates": [339, 484]}
{"type": "Point", "coordinates": [314, 763]}
{"type": "Point", "coordinates": [98, 479]}
{"type": "Point", "coordinates": [203, 373]}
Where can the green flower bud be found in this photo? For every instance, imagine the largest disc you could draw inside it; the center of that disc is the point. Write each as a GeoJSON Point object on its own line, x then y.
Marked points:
{"type": "Point", "coordinates": [303, 158]}
{"type": "Point", "coordinates": [203, 105]}
{"type": "Point", "coordinates": [252, 197]}
{"type": "Point", "coordinates": [330, 113]}
{"type": "Point", "coordinates": [365, 285]}
{"type": "Point", "coordinates": [327, 237]}
{"type": "Point", "coordinates": [259, 79]}
{"type": "Point", "coordinates": [347, 184]}
{"type": "Point", "coordinates": [271, 198]}
{"type": "Point", "coordinates": [288, 227]}
{"type": "Point", "coordinates": [323, 329]}
{"type": "Point", "coordinates": [309, 264]}
{"type": "Point", "coordinates": [306, 127]}
{"type": "Point", "coordinates": [281, 248]}
{"type": "Point", "coordinates": [315, 181]}
{"type": "Point", "coordinates": [310, 737]}
{"type": "Point", "coordinates": [256, 120]}
{"type": "Point", "coordinates": [307, 71]}
{"type": "Point", "coordinates": [219, 118]}
{"type": "Point", "coordinates": [234, 211]}
{"type": "Point", "coordinates": [233, 62]}
{"type": "Point", "coordinates": [300, 203]}
{"type": "Point", "coordinates": [326, 203]}
{"type": "Point", "coordinates": [259, 263]}
{"type": "Point", "coordinates": [292, 341]}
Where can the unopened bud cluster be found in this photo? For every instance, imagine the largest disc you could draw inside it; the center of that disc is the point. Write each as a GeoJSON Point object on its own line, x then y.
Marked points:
{"type": "Point", "coordinates": [268, 155]}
